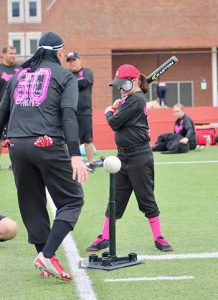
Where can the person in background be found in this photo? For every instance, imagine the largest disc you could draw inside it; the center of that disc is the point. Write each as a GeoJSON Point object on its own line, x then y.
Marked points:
{"type": "Point", "coordinates": [39, 105]}
{"type": "Point", "coordinates": [7, 69]}
{"type": "Point", "coordinates": [85, 81]}
{"type": "Point", "coordinates": [128, 119]}
{"type": "Point", "coordinates": [183, 137]}
{"type": "Point", "coordinates": [8, 229]}
{"type": "Point", "coordinates": [161, 93]}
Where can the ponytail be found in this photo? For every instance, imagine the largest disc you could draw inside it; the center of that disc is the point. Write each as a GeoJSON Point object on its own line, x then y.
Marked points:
{"type": "Point", "coordinates": [36, 59]}
{"type": "Point", "coordinates": [143, 83]}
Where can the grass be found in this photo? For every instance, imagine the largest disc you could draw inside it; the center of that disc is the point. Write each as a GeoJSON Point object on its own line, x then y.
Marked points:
{"type": "Point", "coordinates": [187, 197]}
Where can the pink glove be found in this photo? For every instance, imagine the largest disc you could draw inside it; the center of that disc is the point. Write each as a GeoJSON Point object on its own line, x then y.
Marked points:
{"type": "Point", "coordinates": [44, 141]}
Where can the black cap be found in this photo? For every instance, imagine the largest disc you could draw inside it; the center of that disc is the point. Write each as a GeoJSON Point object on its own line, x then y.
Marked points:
{"type": "Point", "coordinates": [51, 41]}
{"type": "Point", "coordinates": [72, 56]}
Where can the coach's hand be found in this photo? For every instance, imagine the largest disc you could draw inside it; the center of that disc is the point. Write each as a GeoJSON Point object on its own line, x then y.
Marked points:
{"type": "Point", "coordinates": [80, 172]}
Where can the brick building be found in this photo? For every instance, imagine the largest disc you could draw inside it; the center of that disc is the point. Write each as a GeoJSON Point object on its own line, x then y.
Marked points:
{"type": "Point", "coordinates": [110, 33]}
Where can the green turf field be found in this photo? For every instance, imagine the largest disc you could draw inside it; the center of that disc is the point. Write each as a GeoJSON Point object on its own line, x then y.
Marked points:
{"type": "Point", "coordinates": [187, 195]}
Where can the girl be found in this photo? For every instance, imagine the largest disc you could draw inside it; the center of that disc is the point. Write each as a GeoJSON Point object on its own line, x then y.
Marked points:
{"type": "Point", "coordinates": [128, 119]}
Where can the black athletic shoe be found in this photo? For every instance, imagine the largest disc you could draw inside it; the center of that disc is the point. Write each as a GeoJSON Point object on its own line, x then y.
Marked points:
{"type": "Point", "coordinates": [98, 244]}
{"type": "Point", "coordinates": [162, 244]}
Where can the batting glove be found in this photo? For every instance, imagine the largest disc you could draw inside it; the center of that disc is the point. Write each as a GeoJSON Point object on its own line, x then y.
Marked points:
{"type": "Point", "coordinates": [44, 141]}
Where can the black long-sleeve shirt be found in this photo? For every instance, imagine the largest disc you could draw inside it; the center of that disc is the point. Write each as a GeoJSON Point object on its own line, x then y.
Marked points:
{"type": "Point", "coordinates": [85, 81]}
{"type": "Point", "coordinates": [130, 123]}
{"type": "Point", "coordinates": [42, 103]}
{"type": "Point", "coordinates": [185, 127]}
{"type": "Point", "coordinates": [6, 72]}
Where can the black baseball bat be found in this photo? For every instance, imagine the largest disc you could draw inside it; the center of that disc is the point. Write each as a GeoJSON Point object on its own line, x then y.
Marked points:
{"type": "Point", "coordinates": [162, 69]}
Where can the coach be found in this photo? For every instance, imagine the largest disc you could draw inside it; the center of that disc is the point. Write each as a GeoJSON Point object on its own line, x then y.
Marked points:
{"type": "Point", "coordinates": [40, 103]}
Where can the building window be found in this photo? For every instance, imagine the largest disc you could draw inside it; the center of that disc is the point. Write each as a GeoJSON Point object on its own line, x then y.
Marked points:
{"type": "Point", "coordinates": [21, 11]}
{"type": "Point", "coordinates": [26, 43]}
{"type": "Point", "coordinates": [33, 46]}
{"type": "Point", "coordinates": [33, 11]}
{"type": "Point", "coordinates": [17, 44]}
{"type": "Point", "coordinates": [15, 11]}
{"type": "Point", "coordinates": [17, 39]}
{"type": "Point", "coordinates": [177, 92]}
{"type": "Point", "coordinates": [32, 42]}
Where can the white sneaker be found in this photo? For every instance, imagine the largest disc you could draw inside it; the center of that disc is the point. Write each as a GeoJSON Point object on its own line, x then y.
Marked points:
{"type": "Point", "coordinates": [52, 266]}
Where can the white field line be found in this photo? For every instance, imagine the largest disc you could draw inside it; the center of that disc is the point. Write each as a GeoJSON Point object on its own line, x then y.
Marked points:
{"type": "Point", "coordinates": [186, 162]}
{"type": "Point", "coordinates": [150, 278]}
{"type": "Point", "coordinates": [179, 256]}
{"type": "Point", "coordinates": [83, 283]}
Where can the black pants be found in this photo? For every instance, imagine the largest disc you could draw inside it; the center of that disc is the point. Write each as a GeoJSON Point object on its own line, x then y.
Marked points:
{"type": "Point", "coordinates": [136, 174]}
{"type": "Point", "coordinates": [34, 169]}
{"type": "Point", "coordinates": [171, 142]}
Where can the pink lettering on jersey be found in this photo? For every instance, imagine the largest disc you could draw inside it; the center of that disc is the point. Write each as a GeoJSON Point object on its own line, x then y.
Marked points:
{"type": "Point", "coordinates": [145, 110]}
{"type": "Point", "coordinates": [80, 75]}
{"type": "Point", "coordinates": [179, 127]}
{"type": "Point", "coordinates": [146, 114]}
{"type": "Point", "coordinates": [32, 88]}
{"type": "Point", "coordinates": [6, 76]}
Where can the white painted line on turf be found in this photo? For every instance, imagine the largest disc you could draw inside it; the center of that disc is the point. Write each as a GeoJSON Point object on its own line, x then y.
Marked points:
{"type": "Point", "coordinates": [83, 283]}
{"type": "Point", "coordinates": [186, 162]}
{"type": "Point", "coordinates": [159, 278]}
{"type": "Point", "coordinates": [179, 256]}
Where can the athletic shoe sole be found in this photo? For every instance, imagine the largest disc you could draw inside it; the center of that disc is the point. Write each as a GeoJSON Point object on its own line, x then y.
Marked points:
{"type": "Point", "coordinates": [39, 266]}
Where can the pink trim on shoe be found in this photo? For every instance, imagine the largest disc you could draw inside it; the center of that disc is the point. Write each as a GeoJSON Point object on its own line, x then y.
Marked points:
{"type": "Point", "coordinates": [52, 266]}
{"type": "Point", "coordinates": [45, 274]}
{"type": "Point", "coordinates": [98, 240]}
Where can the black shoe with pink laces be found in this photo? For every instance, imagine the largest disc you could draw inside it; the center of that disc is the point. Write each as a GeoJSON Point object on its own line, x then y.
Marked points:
{"type": "Point", "coordinates": [98, 244]}
{"type": "Point", "coordinates": [162, 245]}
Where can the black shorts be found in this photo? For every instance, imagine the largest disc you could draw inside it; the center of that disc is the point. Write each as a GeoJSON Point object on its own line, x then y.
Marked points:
{"type": "Point", "coordinates": [1, 217]}
{"type": "Point", "coordinates": [85, 128]}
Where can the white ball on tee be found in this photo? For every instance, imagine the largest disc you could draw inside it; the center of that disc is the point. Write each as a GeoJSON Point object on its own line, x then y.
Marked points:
{"type": "Point", "coordinates": [112, 164]}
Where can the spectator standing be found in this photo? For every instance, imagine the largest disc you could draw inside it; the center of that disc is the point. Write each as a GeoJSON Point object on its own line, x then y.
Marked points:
{"type": "Point", "coordinates": [85, 81]}
{"type": "Point", "coordinates": [161, 93]}
{"type": "Point", "coordinates": [7, 69]}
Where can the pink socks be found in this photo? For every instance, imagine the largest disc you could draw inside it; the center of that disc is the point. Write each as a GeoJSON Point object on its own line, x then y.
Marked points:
{"type": "Point", "coordinates": [155, 226]}
{"type": "Point", "coordinates": [105, 230]}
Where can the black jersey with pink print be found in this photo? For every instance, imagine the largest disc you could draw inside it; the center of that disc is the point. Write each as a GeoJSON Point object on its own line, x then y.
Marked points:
{"type": "Point", "coordinates": [85, 82]}
{"type": "Point", "coordinates": [35, 100]}
{"type": "Point", "coordinates": [185, 127]}
{"type": "Point", "coordinates": [6, 72]}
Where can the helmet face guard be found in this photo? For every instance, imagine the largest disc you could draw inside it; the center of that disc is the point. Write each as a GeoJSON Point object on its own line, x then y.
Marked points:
{"type": "Point", "coordinates": [124, 84]}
